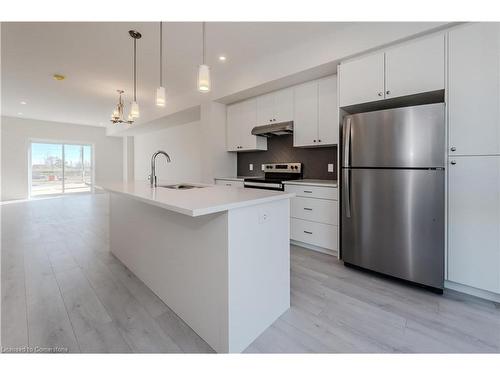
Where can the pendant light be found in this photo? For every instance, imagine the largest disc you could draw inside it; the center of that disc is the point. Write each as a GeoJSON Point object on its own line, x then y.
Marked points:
{"type": "Point", "coordinates": [203, 70]}
{"type": "Point", "coordinates": [160, 91]}
{"type": "Point", "coordinates": [134, 109]}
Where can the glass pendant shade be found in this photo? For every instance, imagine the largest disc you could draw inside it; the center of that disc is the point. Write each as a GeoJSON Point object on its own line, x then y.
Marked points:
{"type": "Point", "coordinates": [160, 97]}
{"type": "Point", "coordinates": [204, 78]}
{"type": "Point", "coordinates": [134, 110]}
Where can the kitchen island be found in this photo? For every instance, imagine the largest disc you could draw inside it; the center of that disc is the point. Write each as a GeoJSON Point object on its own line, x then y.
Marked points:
{"type": "Point", "coordinates": [218, 256]}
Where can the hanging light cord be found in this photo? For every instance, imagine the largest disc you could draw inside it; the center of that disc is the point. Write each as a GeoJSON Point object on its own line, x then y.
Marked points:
{"type": "Point", "coordinates": [161, 54]}
{"type": "Point", "coordinates": [203, 28]}
{"type": "Point", "coordinates": [135, 70]}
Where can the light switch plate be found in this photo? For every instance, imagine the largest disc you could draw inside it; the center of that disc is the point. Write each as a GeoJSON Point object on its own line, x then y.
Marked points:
{"type": "Point", "coordinates": [250, 167]}
{"type": "Point", "coordinates": [330, 167]}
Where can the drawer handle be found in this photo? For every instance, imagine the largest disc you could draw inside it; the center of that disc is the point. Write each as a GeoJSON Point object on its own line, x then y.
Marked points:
{"type": "Point", "coordinates": [228, 184]}
{"type": "Point", "coordinates": [308, 191]}
{"type": "Point", "coordinates": [308, 232]}
{"type": "Point", "coordinates": [308, 209]}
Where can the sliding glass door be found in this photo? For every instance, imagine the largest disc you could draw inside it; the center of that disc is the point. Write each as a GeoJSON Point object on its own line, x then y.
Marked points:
{"type": "Point", "coordinates": [58, 168]}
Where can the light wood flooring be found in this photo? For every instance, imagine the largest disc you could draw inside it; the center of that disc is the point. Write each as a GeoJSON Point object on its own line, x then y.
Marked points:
{"type": "Point", "coordinates": [62, 288]}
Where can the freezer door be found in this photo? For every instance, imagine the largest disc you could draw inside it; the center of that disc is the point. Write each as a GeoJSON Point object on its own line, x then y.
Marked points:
{"type": "Point", "coordinates": [392, 221]}
{"type": "Point", "coordinates": [410, 137]}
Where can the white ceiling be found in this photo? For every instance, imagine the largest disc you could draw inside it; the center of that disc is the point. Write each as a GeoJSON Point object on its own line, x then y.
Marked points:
{"type": "Point", "coordinates": [96, 58]}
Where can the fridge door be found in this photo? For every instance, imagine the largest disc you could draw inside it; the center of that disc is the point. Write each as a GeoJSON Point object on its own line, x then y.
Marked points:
{"type": "Point", "coordinates": [392, 221]}
{"type": "Point", "coordinates": [410, 137]}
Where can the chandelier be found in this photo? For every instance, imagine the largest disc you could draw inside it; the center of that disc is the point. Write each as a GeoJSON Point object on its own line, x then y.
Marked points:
{"type": "Point", "coordinates": [117, 115]}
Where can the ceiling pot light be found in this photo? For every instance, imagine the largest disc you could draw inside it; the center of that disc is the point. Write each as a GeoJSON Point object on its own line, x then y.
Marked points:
{"type": "Point", "coordinates": [203, 70]}
{"type": "Point", "coordinates": [23, 102]}
{"type": "Point", "coordinates": [160, 91]}
{"type": "Point", "coordinates": [134, 109]}
{"type": "Point", "coordinates": [222, 58]}
{"type": "Point", "coordinates": [19, 113]}
{"type": "Point", "coordinates": [58, 77]}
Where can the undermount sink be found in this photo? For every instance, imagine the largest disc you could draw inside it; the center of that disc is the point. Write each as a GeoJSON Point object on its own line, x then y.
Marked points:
{"type": "Point", "coordinates": [180, 186]}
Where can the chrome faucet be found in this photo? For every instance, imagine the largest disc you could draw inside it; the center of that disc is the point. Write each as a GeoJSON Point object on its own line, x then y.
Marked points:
{"type": "Point", "coordinates": [152, 176]}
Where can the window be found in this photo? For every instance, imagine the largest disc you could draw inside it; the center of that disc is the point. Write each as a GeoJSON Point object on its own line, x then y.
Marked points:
{"type": "Point", "coordinates": [59, 168]}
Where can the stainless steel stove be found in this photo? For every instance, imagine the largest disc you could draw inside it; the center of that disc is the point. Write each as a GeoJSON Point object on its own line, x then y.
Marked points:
{"type": "Point", "coordinates": [274, 176]}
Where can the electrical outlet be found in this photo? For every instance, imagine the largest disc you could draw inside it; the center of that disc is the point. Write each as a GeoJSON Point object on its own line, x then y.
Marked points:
{"type": "Point", "coordinates": [250, 167]}
{"type": "Point", "coordinates": [330, 167]}
{"type": "Point", "coordinates": [263, 216]}
{"type": "Point", "coordinates": [262, 167]}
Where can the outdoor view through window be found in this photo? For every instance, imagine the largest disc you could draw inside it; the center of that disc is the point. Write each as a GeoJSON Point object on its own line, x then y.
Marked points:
{"type": "Point", "coordinates": [58, 168]}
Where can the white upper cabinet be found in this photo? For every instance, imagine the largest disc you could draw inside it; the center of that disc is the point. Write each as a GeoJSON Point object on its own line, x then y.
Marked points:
{"type": "Point", "coordinates": [412, 68]}
{"type": "Point", "coordinates": [474, 222]}
{"type": "Point", "coordinates": [362, 80]}
{"type": "Point", "coordinates": [275, 107]}
{"type": "Point", "coordinates": [474, 89]}
{"type": "Point", "coordinates": [415, 67]}
{"type": "Point", "coordinates": [328, 119]}
{"type": "Point", "coordinates": [241, 118]}
{"type": "Point", "coordinates": [305, 123]}
{"type": "Point", "coordinates": [315, 113]}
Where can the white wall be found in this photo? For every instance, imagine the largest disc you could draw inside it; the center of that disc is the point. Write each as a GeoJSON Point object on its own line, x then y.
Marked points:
{"type": "Point", "coordinates": [183, 143]}
{"type": "Point", "coordinates": [16, 135]}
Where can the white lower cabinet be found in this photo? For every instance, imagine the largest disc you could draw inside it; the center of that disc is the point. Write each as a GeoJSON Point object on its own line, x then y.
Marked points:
{"type": "Point", "coordinates": [474, 222]}
{"type": "Point", "coordinates": [314, 216]}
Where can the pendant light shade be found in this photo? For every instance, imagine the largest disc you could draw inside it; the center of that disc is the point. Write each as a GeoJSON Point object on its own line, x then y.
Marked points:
{"type": "Point", "coordinates": [134, 110]}
{"type": "Point", "coordinates": [160, 91]}
{"type": "Point", "coordinates": [203, 70]}
{"type": "Point", "coordinates": [204, 78]}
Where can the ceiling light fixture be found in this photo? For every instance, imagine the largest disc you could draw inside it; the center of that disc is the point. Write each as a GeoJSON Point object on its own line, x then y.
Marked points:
{"type": "Point", "coordinates": [58, 77]}
{"type": "Point", "coordinates": [222, 58]}
{"type": "Point", "coordinates": [117, 115]}
{"type": "Point", "coordinates": [160, 91]}
{"type": "Point", "coordinates": [23, 102]}
{"type": "Point", "coordinates": [134, 109]}
{"type": "Point", "coordinates": [203, 70]}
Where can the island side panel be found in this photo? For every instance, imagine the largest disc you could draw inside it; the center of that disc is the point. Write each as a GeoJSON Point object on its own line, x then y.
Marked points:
{"type": "Point", "coordinates": [182, 259]}
{"type": "Point", "coordinates": [259, 270]}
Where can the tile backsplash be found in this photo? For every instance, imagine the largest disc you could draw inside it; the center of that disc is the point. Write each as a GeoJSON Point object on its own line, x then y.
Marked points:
{"type": "Point", "coordinates": [280, 150]}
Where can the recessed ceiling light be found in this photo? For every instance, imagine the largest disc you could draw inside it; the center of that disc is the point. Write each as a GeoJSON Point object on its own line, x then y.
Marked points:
{"type": "Point", "coordinates": [58, 77]}
{"type": "Point", "coordinates": [19, 113]}
{"type": "Point", "coordinates": [222, 58]}
{"type": "Point", "coordinates": [23, 102]}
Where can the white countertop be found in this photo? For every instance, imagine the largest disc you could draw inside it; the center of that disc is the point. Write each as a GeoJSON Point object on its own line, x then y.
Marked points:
{"type": "Point", "coordinates": [195, 202]}
{"type": "Point", "coordinates": [312, 182]}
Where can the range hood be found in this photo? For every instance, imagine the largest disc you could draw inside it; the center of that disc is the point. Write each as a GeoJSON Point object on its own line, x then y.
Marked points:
{"type": "Point", "coordinates": [282, 128]}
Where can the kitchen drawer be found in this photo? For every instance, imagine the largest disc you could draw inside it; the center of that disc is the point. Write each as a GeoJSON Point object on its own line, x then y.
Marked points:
{"type": "Point", "coordinates": [322, 235]}
{"type": "Point", "coordinates": [313, 209]}
{"type": "Point", "coordinates": [313, 191]}
{"type": "Point", "coordinates": [232, 183]}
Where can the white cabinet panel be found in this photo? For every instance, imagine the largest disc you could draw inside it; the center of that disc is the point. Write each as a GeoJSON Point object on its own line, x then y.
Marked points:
{"type": "Point", "coordinates": [474, 89]}
{"type": "Point", "coordinates": [240, 119]}
{"type": "Point", "coordinates": [318, 192]}
{"type": "Point", "coordinates": [265, 109]}
{"type": "Point", "coordinates": [362, 80]}
{"type": "Point", "coordinates": [283, 105]}
{"type": "Point", "coordinates": [415, 67]}
{"type": "Point", "coordinates": [474, 222]}
{"type": "Point", "coordinates": [317, 234]}
{"type": "Point", "coordinates": [328, 121]}
{"type": "Point", "coordinates": [305, 123]}
{"type": "Point", "coordinates": [319, 210]}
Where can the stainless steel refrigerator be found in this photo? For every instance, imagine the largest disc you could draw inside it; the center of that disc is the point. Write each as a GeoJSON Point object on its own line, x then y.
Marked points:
{"type": "Point", "coordinates": [393, 191]}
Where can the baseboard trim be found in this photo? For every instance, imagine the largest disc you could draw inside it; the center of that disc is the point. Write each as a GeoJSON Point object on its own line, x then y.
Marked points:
{"type": "Point", "coordinates": [315, 248]}
{"type": "Point", "coordinates": [472, 291]}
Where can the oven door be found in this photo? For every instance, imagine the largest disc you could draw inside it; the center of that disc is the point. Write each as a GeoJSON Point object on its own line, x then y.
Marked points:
{"type": "Point", "coordinates": [264, 185]}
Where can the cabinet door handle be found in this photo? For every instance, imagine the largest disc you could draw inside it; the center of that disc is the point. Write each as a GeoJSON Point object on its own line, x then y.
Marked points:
{"type": "Point", "coordinates": [314, 141]}
{"type": "Point", "coordinates": [453, 162]}
{"type": "Point", "coordinates": [379, 94]}
{"type": "Point", "coordinates": [228, 185]}
{"type": "Point", "coordinates": [453, 149]}
{"type": "Point", "coordinates": [308, 209]}
{"type": "Point", "coordinates": [319, 140]}
{"type": "Point", "coordinates": [308, 232]}
{"type": "Point", "coordinates": [308, 191]}
{"type": "Point", "coordinates": [388, 92]}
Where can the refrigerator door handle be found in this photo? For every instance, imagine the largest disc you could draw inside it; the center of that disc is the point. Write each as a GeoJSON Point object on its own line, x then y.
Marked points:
{"type": "Point", "coordinates": [347, 192]}
{"type": "Point", "coordinates": [347, 141]}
